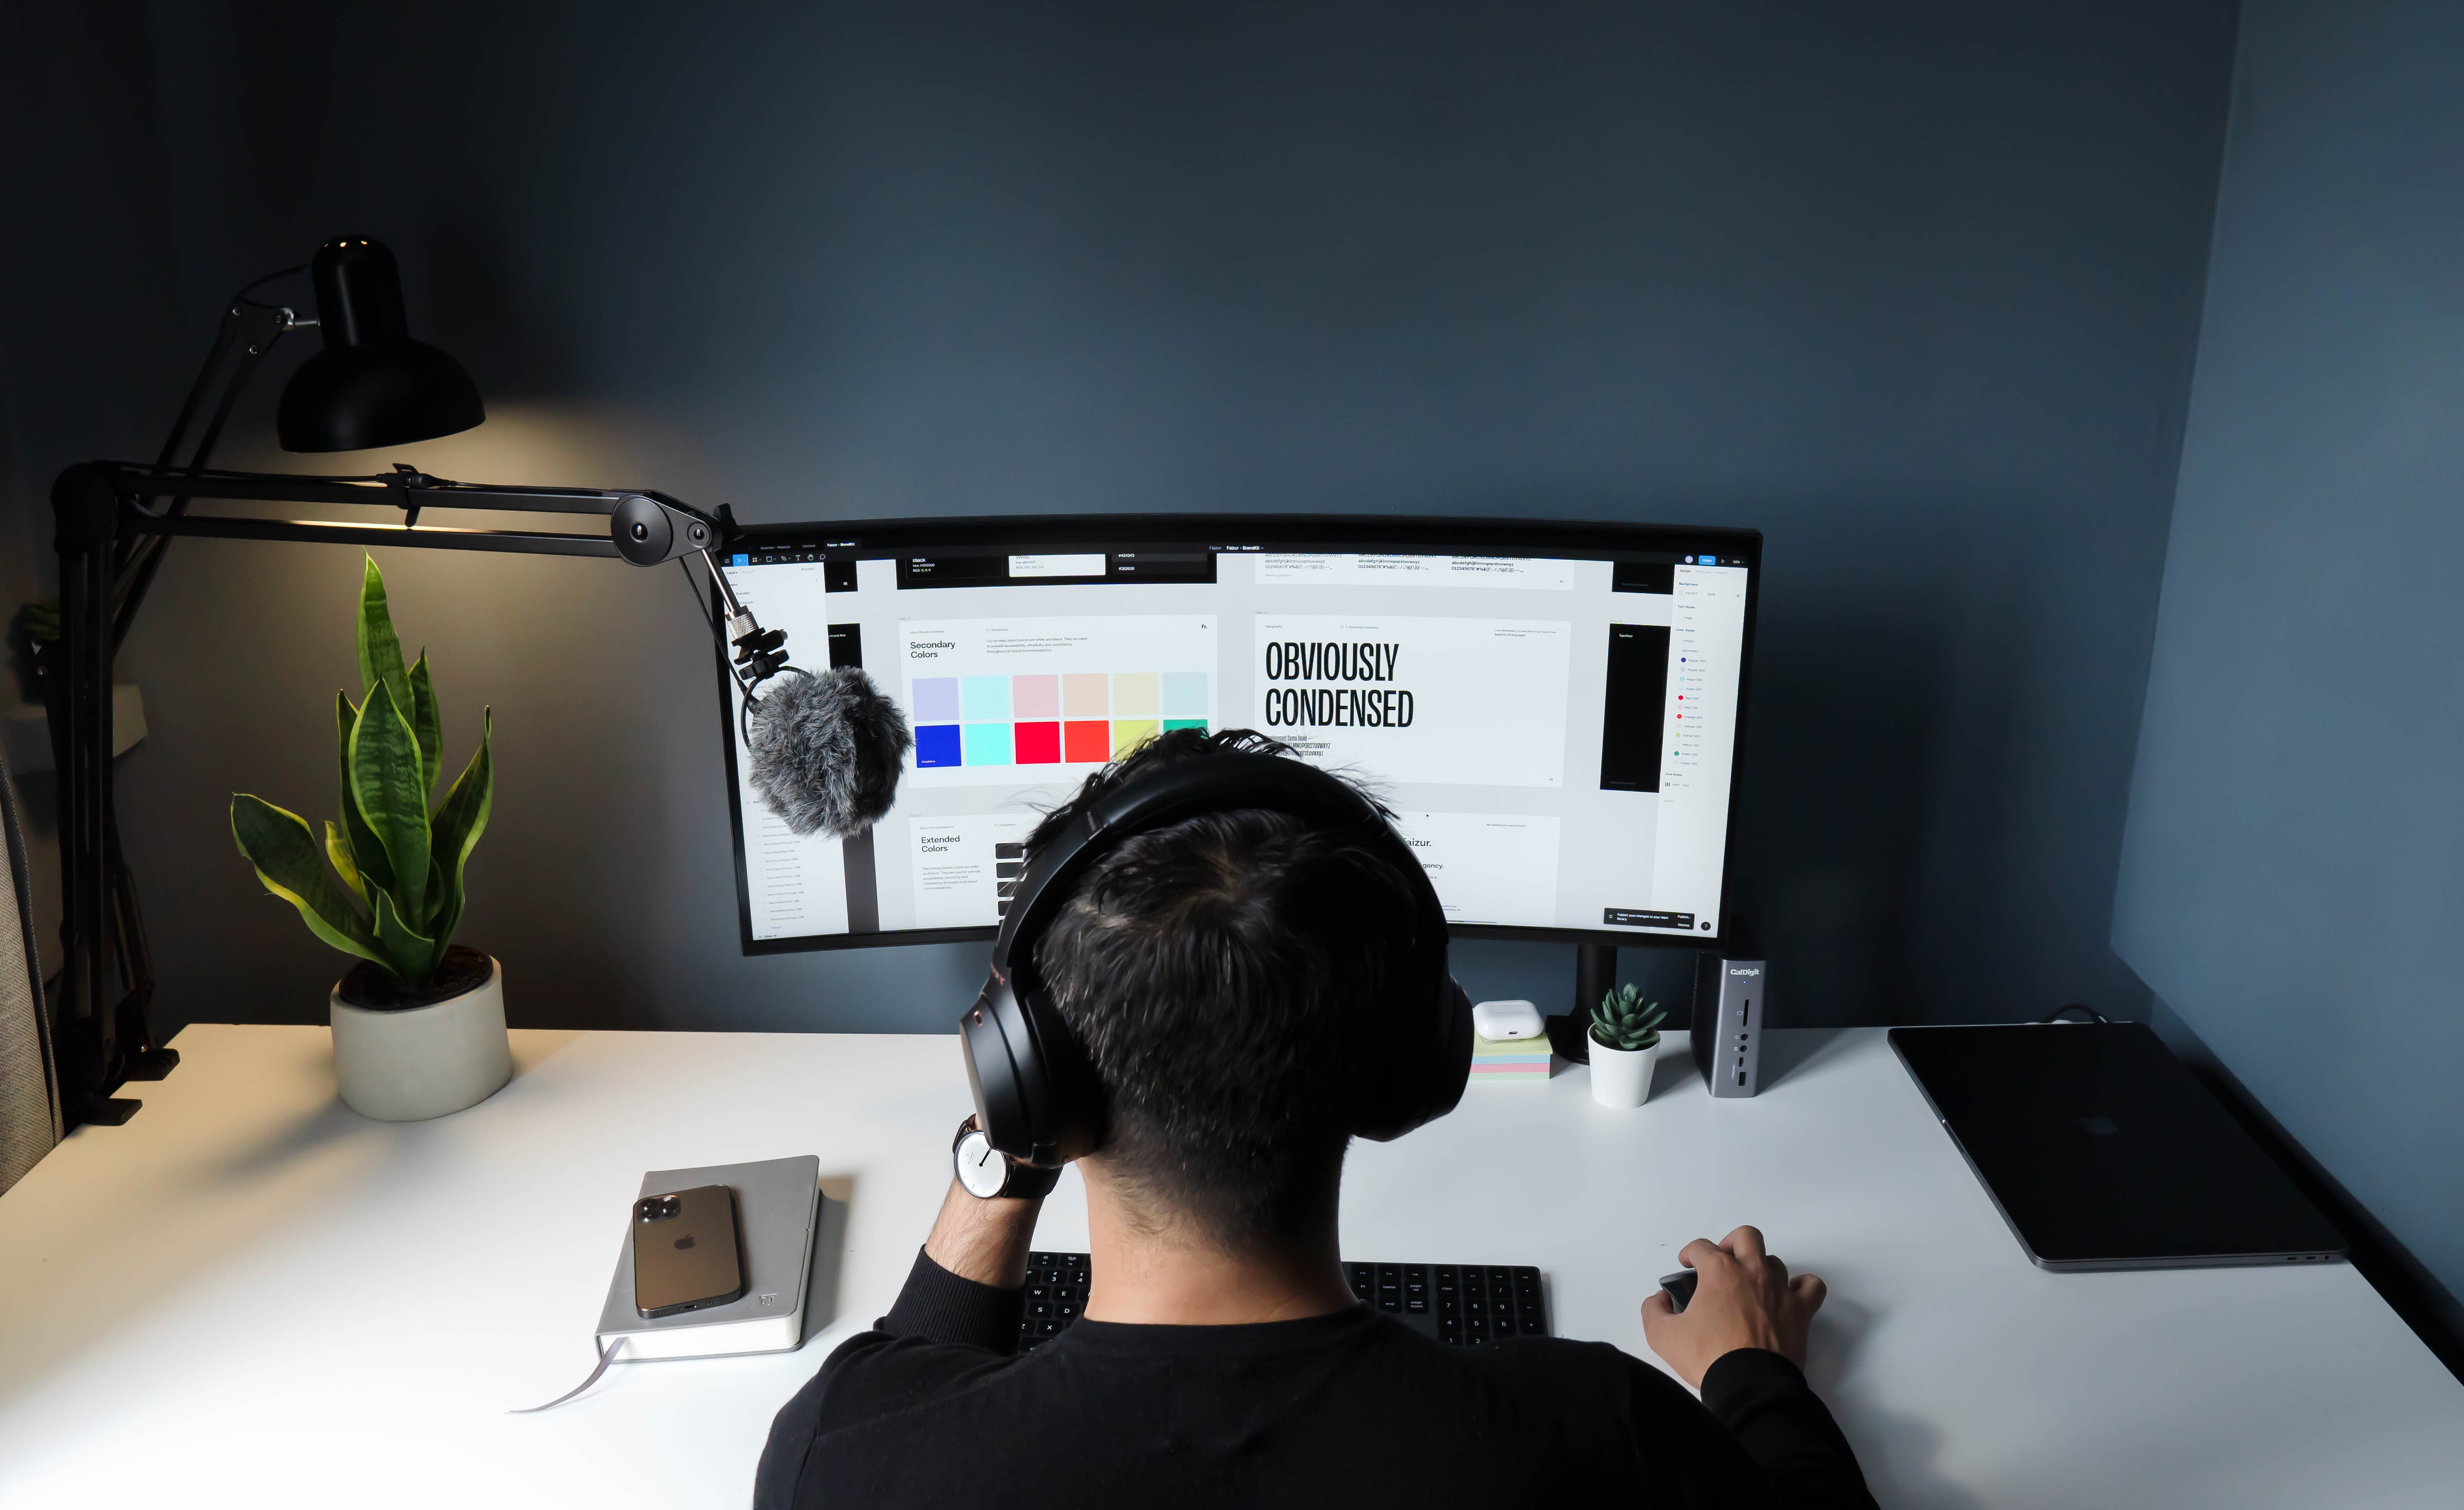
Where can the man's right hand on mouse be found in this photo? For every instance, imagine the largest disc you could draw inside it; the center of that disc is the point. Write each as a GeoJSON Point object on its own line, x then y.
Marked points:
{"type": "Point", "coordinates": [1742, 1298]}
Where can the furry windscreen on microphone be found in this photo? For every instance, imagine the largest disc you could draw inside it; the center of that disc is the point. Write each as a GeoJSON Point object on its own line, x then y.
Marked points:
{"type": "Point", "coordinates": [826, 751]}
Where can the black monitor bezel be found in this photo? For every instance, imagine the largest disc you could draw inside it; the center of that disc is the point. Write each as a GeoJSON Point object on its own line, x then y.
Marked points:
{"type": "Point", "coordinates": [1574, 538]}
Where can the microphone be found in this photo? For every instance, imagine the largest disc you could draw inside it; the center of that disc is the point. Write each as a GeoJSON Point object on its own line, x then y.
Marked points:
{"type": "Point", "coordinates": [827, 750]}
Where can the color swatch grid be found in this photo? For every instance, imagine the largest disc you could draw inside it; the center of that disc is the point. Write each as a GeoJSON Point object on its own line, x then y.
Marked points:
{"type": "Point", "coordinates": [1075, 719]}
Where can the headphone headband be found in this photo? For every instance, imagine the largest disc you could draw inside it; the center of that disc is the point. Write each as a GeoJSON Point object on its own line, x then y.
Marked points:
{"type": "Point", "coordinates": [1232, 781]}
{"type": "Point", "coordinates": [1037, 1095]}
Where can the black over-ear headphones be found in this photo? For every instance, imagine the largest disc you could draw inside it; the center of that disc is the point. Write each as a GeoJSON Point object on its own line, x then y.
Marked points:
{"type": "Point", "coordinates": [1037, 1096]}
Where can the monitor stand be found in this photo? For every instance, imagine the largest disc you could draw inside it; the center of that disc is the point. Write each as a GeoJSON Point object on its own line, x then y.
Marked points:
{"type": "Point", "coordinates": [1595, 978]}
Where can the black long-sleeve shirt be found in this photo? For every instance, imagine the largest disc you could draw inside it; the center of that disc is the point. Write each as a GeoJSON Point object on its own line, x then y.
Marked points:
{"type": "Point", "coordinates": [934, 1408]}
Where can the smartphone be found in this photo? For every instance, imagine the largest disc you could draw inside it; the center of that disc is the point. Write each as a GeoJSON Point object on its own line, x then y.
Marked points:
{"type": "Point", "coordinates": [684, 1257]}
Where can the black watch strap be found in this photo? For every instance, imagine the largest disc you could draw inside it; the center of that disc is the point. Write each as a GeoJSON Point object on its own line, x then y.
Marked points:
{"type": "Point", "coordinates": [1028, 1181]}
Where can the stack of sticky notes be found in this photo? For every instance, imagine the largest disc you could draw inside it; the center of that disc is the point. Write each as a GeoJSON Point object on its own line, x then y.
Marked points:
{"type": "Point", "coordinates": [1496, 1062]}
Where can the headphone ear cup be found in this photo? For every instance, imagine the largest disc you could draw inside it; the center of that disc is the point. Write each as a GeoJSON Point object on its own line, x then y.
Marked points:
{"type": "Point", "coordinates": [1080, 1113]}
{"type": "Point", "coordinates": [1037, 1095]}
{"type": "Point", "coordinates": [1002, 1070]}
{"type": "Point", "coordinates": [1453, 1063]}
{"type": "Point", "coordinates": [1422, 1079]}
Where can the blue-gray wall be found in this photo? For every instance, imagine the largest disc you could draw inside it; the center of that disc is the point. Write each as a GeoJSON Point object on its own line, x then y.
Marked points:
{"type": "Point", "coordinates": [92, 339]}
{"type": "Point", "coordinates": [2293, 881]}
{"type": "Point", "coordinates": [1911, 287]}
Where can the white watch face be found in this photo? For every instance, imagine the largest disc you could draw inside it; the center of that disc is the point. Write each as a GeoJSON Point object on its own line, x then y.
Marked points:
{"type": "Point", "coordinates": [981, 1168]}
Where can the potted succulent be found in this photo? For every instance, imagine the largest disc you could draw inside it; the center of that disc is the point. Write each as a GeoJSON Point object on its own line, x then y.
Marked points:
{"type": "Point", "coordinates": [1625, 1044]}
{"type": "Point", "coordinates": [419, 1022]}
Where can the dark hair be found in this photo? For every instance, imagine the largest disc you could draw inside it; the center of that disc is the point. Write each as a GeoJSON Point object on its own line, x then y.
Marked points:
{"type": "Point", "coordinates": [1229, 975]}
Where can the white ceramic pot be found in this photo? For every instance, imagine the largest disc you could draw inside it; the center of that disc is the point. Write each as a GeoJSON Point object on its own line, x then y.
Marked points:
{"type": "Point", "coordinates": [1621, 1077]}
{"type": "Point", "coordinates": [417, 1063]}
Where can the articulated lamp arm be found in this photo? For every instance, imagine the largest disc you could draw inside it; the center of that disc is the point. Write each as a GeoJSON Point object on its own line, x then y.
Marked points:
{"type": "Point", "coordinates": [113, 520]}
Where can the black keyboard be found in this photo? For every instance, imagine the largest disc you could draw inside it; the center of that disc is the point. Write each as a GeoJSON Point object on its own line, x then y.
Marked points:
{"type": "Point", "coordinates": [1056, 1292]}
{"type": "Point", "coordinates": [1461, 1304]}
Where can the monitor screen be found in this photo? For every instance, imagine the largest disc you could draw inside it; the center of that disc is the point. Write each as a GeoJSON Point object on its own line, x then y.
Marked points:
{"type": "Point", "coordinates": [1551, 711]}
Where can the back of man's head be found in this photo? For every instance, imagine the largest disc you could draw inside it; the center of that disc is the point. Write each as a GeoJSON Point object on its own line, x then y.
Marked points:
{"type": "Point", "coordinates": [1231, 976]}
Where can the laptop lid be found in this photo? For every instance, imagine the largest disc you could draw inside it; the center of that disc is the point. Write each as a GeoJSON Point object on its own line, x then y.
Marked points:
{"type": "Point", "coordinates": [2103, 1152]}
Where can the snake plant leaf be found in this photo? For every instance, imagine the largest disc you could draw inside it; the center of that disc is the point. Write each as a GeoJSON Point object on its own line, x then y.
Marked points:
{"type": "Point", "coordinates": [367, 856]}
{"type": "Point", "coordinates": [414, 954]}
{"type": "Point", "coordinates": [279, 845]}
{"type": "Point", "coordinates": [459, 821]}
{"type": "Point", "coordinates": [385, 782]}
{"type": "Point", "coordinates": [337, 852]}
{"type": "Point", "coordinates": [380, 649]}
{"type": "Point", "coordinates": [427, 724]}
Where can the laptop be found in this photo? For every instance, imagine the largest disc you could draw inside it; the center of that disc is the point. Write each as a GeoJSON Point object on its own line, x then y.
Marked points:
{"type": "Point", "coordinates": [2103, 1152]}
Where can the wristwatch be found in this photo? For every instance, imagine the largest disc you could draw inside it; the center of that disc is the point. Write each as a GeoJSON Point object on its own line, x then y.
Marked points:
{"type": "Point", "coordinates": [988, 1174]}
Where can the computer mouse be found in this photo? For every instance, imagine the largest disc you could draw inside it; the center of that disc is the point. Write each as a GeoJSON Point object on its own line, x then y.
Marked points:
{"type": "Point", "coordinates": [1681, 1284]}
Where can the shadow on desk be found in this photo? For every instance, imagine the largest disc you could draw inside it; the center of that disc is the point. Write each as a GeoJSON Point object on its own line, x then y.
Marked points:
{"type": "Point", "coordinates": [1897, 1452]}
{"type": "Point", "coordinates": [1673, 1072]}
{"type": "Point", "coordinates": [221, 1164]}
{"type": "Point", "coordinates": [1797, 1051]}
{"type": "Point", "coordinates": [829, 1256]}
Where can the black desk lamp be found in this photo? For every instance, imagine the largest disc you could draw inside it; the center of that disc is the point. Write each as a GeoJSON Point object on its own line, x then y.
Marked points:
{"type": "Point", "coordinates": [371, 385]}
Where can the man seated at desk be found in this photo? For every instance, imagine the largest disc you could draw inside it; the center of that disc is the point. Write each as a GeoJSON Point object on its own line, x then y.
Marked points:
{"type": "Point", "coordinates": [1227, 974]}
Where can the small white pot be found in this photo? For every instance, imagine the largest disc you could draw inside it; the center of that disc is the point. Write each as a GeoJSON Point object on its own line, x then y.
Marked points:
{"type": "Point", "coordinates": [418, 1062]}
{"type": "Point", "coordinates": [1621, 1077]}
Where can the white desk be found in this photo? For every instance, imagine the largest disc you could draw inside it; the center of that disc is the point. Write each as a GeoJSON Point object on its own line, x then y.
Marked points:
{"type": "Point", "coordinates": [250, 1296]}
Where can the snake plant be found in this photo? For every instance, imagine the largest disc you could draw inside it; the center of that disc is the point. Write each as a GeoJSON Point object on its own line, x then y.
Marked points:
{"type": "Point", "coordinates": [393, 895]}
{"type": "Point", "coordinates": [1624, 1020]}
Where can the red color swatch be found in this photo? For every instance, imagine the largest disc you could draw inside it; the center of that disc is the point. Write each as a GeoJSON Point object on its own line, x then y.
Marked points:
{"type": "Point", "coordinates": [1038, 744]}
{"type": "Point", "coordinates": [1088, 739]}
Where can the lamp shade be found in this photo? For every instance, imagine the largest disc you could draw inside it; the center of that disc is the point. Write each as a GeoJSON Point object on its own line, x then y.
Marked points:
{"type": "Point", "coordinates": [372, 384]}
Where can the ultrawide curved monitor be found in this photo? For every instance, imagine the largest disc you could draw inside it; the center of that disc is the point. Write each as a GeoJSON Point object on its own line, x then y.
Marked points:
{"type": "Point", "coordinates": [1552, 711]}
